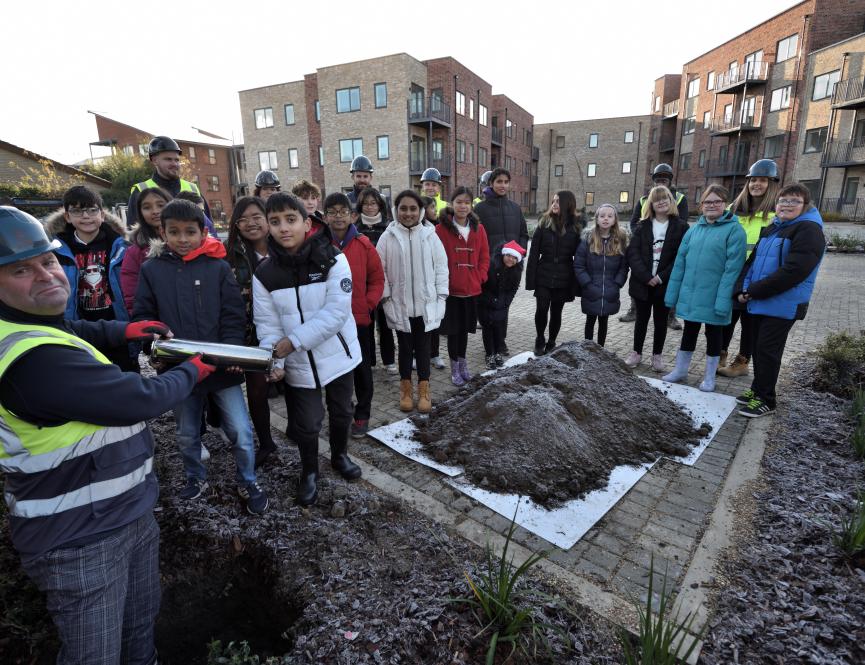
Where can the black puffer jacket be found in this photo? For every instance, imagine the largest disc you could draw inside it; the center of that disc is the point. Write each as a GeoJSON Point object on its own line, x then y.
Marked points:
{"type": "Point", "coordinates": [498, 292]}
{"type": "Point", "coordinates": [640, 257]}
{"type": "Point", "coordinates": [601, 277]}
{"type": "Point", "coordinates": [243, 261]}
{"type": "Point", "coordinates": [503, 221]}
{"type": "Point", "coordinates": [551, 257]}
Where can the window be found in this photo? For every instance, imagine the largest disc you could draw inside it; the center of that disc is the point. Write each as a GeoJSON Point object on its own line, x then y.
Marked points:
{"type": "Point", "coordinates": [849, 192]}
{"type": "Point", "coordinates": [657, 103]}
{"type": "Point", "coordinates": [654, 135]}
{"type": "Point", "coordinates": [560, 142]}
{"type": "Point", "coordinates": [815, 139]}
{"type": "Point", "coordinates": [438, 149]}
{"type": "Point", "coordinates": [693, 87]}
{"type": "Point", "coordinates": [461, 103]}
{"type": "Point", "coordinates": [292, 158]}
{"type": "Point", "coordinates": [216, 209]}
{"type": "Point", "coordinates": [752, 63]}
{"type": "Point", "coordinates": [191, 154]}
{"type": "Point", "coordinates": [824, 85]}
{"type": "Point", "coordinates": [623, 197]}
{"type": "Point", "coordinates": [690, 125]}
{"type": "Point", "coordinates": [707, 120]}
{"type": "Point", "coordinates": [289, 114]}
{"type": "Point", "coordinates": [509, 129]}
{"type": "Point", "coordinates": [591, 170]}
{"type": "Point", "coordinates": [787, 48]}
{"type": "Point", "coordinates": [723, 151]}
{"type": "Point", "coordinates": [629, 136]}
{"type": "Point", "coordinates": [461, 151]}
{"type": "Point", "coordinates": [471, 159]}
{"type": "Point", "coordinates": [684, 161]}
{"type": "Point", "coordinates": [347, 100]}
{"type": "Point", "coordinates": [213, 183]}
{"type": "Point", "coordinates": [593, 140]}
{"type": "Point", "coordinates": [472, 109]}
{"type": "Point", "coordinates": [780, 99]}
{"type": "Point", "coordinates": [128, 150]}
{"type": "Point", "coordinates": [482, 156]}
{"type": "Point", "coordinates": [698, 193]}
{"type": "Point", "coordinates": [349, 149]}
{"type": "Point", "coordinates": [380, 90]}
{"type": "Point", "coordinates": [710, 81]}
{"type": "Point", "coordinates": [733, 70]}
{"type": "Point", "coordinates": [383, 143]}
{"type": "Point", "coordinates": [626, 167]}
{"type": "Point", "coordinates": [263, 118]}
{"type": "Point", "coordinates": [482, 114]}
{"type": "Point", "coordinates": [384, 190]}
{"type": "Point", "coordinates": [317, 111]}
{"type": "Point", "coordinates": [211, 156]}
{"type": "Point", "coordinates": [197, 180]}
{"type": "Point", "coordinates": [143, 149]}
{"type": "Point", "coordinates": [590, 198]}
{"type": "Point", "coordinates": [559, 170]}
{"type": "Point", "coordinates": [773, 146]}
{"type": "Point", "coordinates": [436, 98]}
{"type": "Point", "coordinates": [702, 158]}
{"type": "Point", "coordinates": [321, 155]}
{"type": "Point", "coordinates": [267, 160]}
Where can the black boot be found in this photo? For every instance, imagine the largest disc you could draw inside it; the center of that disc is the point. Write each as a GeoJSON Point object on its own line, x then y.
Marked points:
{"type": "Point", "coordinates": [264, 452]}
{"type": "Point", "coordinates": [549, 346]}
{"type": "Point", "coordinates": [539, 346]}
{"type": "Point", "coordinates": [307, 487]}
{"type": "Point", "coordinates": [339, 458]}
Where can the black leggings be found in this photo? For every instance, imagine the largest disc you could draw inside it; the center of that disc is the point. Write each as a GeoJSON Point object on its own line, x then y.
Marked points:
{"type": "Point", "coordinates": [554, 307]}
{"type": "Point", "coordinates": [602, 327]}
{"type": "Point", "coordinates": [658, 312]}
{"type": "Point", "coordinates": [414, 345]}
{"type": "Point", "coordinates": [713, 337]}
{"type": "Point", "coordinates": [745, 340]}
{"type": "Point", "coordinates": [457, 345]}
{"type": "Point", "coordinates": [494, 337]}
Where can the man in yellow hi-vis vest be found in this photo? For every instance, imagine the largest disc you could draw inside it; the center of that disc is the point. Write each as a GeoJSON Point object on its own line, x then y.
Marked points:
{"type": "Point", "coordinates": [78, 456]}
{"type": "Point", "coordinates": [164, 154]}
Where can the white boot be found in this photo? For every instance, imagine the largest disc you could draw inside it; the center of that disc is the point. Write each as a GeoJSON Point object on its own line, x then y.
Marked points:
{"type": "Point", "coordinates": [680, 372]}
{"type": "Point", "coordinates": [708, 383]}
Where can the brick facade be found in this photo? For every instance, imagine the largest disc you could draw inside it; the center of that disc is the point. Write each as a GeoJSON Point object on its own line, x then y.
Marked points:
{"type": "Point", "coordinates": [517, 131]}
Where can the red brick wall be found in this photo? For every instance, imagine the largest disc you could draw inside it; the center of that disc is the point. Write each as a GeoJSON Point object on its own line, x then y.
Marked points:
{"type": "Point", "coordinates": [515, 146]}
{"type": "Point", "coordinates": [834, 21]}
{"type": "Point", "coordinates": [311, 93]}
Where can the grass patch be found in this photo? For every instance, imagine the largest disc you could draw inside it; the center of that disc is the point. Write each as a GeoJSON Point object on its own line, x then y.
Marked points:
{"type": "Point", "coordinates": [845, 243]}
{"type": "Point", "coordinates": [851, 537]}
{"type": "Point", "coordinates": [840, 368]}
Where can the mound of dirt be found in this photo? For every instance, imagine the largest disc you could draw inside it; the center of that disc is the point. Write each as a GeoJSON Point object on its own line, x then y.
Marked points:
{"type": "Point", "coordinates": [553, 428]}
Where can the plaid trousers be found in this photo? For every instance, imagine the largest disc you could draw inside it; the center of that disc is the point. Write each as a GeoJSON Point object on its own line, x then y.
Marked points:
{"type": "Point", "coordinates": [104, 596]}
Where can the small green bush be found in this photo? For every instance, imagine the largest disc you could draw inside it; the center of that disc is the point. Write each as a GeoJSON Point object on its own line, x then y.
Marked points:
{"type": "Point", "coordinates": [236, 654]}
{"type": "Point", "coordinates": [851, 537]}
{"type": "Point", "coordinates": [840, 368]}
{"type": "Point", "coordinates": [846, 243]}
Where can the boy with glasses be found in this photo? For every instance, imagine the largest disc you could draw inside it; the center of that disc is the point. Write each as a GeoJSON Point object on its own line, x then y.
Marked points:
{"type": "Point", "coordinates": [779, 279]}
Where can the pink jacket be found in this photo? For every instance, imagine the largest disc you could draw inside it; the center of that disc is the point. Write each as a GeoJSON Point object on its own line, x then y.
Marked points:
{"type": "Point", "coordinates": [130, 269]}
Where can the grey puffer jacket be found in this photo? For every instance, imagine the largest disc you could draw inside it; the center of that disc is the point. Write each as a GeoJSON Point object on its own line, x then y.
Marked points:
{"type": "Point", "coordinates": [601, 278]}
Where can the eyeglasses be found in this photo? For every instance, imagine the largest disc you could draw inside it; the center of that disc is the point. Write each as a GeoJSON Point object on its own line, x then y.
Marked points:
{"type": "Point", "coordinates": [80, 212]}
{"type": "Point", "coordinates": [342, 213]}
{"type": "Point", "coordinates": [258, 217]}
{"type": "Point", "coordinates": [790, 202]}
{"type": "Point", "coordinates": [370, 204]}
{"type": "Point", "coordinates": [716, 202]}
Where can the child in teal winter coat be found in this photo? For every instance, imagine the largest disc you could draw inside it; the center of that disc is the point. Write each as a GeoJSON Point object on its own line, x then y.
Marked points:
{"type": "Point", "coordinates": [701, 285]}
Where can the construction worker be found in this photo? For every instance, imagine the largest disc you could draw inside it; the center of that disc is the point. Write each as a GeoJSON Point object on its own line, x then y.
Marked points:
{"type": "Point", "coordinates": [361, 177]}
{"type": "Point", "coordinates": [77, 455]}
{"type": "Point", "coordinates": [484, 189]}
{"type": "Point", "coordinates": [266, 183]}
{"type": "Point", "coordinates": [431, 186]}
{"type": "Point", "coordinates": [164, 154]}
{"type": "Point", "coordinates": [662, 174]}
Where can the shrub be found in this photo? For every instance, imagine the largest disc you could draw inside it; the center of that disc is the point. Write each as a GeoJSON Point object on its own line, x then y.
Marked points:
{"type": "Point", "coordinates": [851, 537]}
{"type": "Point", "coordinates": [840, 368]}
{"type": "Point", "coordinates": [236, 654]}
{"type": "Point", "coordinates": [846, 243]}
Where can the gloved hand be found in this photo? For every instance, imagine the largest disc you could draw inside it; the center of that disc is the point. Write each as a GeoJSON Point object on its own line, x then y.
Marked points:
{"type": "Point", "coordinates": [140, 331]}
{"type": "Point", "coordinates": [204, 369]}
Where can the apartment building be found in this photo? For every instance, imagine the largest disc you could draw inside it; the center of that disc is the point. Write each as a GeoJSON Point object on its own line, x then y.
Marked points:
{"type": "Point", "coordinates": [742, 100]}
{"type": "Point", "coordinates": [831, 146]}
{"type": "Point", "coordinates": [402, 113]}
{"type": "Point", "coordinates": [600, 160]}
{"type": "Point", "coordinates": [214, 164]}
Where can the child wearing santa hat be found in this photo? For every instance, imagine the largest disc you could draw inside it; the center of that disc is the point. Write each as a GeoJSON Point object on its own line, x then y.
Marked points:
{"type": "Point", "coordinates": [497, 293]}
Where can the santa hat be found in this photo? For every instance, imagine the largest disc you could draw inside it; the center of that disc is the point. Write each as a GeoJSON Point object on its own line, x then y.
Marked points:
{"type": "Point", "coordinates": [515, 249]}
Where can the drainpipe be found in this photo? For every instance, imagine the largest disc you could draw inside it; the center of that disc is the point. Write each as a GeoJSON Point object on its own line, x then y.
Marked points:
{"type": "Point", "coordinates": [550, 167]}
{"type": "Point", "coordinates": [456, 115]}
{"type": "Point", "coordinates": [478, 139]}
{"type": "Point", "coordinates": [637, 162]}
{"type": "Point", "coordinates": [824, 169]}
{"type": "Point", "coordinates": [796, 103]}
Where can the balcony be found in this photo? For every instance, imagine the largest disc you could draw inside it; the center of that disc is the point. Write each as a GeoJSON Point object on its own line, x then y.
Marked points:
{"type": "Point", "coordinates": [718, 168]}
{"type": "Point", "coordinates": [667, 144]}
{"type": "Point", "coordinates": [423, 111]}
{"type": "Point", "coordinates": [843, 153]}
{"type": "Point", "coordinates": [417, 165]}
{"type": "Point", "coordinates": [671, 110]}
{"type": "Point", "coordinates": [536, 153]}
{"type": "Point", "coordinates": [747, 120]}
{"type": "Point", "coordinates": [534, 184]}
{"type": "Point", "coordinates": [849, 94]}
{"type": "Point", "coordinates": [751, 73]}
{"type": "Point", "coordinates": [854, 209]}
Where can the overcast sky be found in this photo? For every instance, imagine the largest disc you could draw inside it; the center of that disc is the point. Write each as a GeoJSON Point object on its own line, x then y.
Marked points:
{"type": "Point", "coordinates": [559, 60]}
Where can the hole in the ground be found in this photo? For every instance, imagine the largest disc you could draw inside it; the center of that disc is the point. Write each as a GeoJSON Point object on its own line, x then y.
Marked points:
{"type": "Point", "coordinates": [235, 598]}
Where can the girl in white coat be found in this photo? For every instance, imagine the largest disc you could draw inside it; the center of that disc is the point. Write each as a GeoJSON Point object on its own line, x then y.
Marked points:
{"type": "Point", "coordinates": [415, 289]}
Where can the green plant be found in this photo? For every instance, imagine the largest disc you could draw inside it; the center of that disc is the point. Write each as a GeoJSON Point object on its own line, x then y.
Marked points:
{"type": "Point", "coordinates": [494, 603]}
{"type": "Point", "coordinates": [851, 537]}
{"type": "Point", "coordinates": [845, 243]}
{"type": "Point", "coordinates": [661, 638]}
{"type": "Point", "coordinates": [235, 654]}
{"type": "Point", "coordinates": [840, 367]}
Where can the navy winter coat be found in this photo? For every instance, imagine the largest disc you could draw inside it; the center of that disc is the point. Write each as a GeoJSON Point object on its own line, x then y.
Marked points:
{"type": "Point", "coordinates": [601, 277]}
{"type": "Point", "coordinates": [503, 221]}
{"type": "Point", "coordinates": [498, 292]}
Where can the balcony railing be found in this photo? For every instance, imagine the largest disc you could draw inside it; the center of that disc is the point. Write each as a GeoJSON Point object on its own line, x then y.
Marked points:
{"type": "Point", "coordinates": [727, 167]}
{"type": "Point", "coordinates": [747, 120]}
{"type": "Point", "coordinates": [432, 109]}
{"type": "Point", "coordinates": [671, 109]}
{"type": "Point", "coordinates": [853, 210]}
{"type": "Point", "coordinates": [668, 144]}
{"type": "Point", "coordinates": [417, 165]}
{"type": "Point", "coordinates": [496, 135]}
{"type": "Point", "coordinates": [749, 73]}
{"type": "Point", "coordinates": [534, 182]}
{"type": "Point", "coordinates": [843, 153]}
{"type": "Point", "coordinates": [849, 94]}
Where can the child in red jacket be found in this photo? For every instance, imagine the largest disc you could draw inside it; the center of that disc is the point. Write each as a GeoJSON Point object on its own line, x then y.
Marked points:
{"type": "Point", "coordinates": [367, 278]}
{"type": "Point", "coordinates": [465, 243]}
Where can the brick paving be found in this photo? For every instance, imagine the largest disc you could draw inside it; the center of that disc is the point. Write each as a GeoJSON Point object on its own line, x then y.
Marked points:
{"type": "Point", "coordinates": [666, 512]}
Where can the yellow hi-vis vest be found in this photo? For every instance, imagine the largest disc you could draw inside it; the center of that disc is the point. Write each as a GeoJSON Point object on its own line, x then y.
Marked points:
{"type": "Point", "coordinates": [679, 197]}
{"type": "Point", "coordinates": [185, 186]}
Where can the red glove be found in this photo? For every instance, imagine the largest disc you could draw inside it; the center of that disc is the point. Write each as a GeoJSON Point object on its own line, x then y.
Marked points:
{"type": "Point", "coordinates": [204, 370]}
{"type": "Point", "coordinates": [140, 331]}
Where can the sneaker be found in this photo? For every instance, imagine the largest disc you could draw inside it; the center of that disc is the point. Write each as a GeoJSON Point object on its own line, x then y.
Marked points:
{"type": "Point", "coordinates": [256, 499]}
{"type": "Point", "coordinates": [205, 453]}
{"type": "Point", "coordinates": [756, 408]}
{"type": "Point", "coordinates": [746, 397]}
{"type": "Point", "coordinates": [436, 361]}
{"type": "Point", "coordinates": [491, 361]}
{"type": "Point", "coordinates": [658, 363]}
{"type": "Point", "coordinates": [359, 428]}
{"type": "Point", "coordinates": [391, 369]}
{"type": "Point", "coordinates": [194, 489]}
{"type": "Point", "coordinates": [505, 350]}
{"type": "Point", "coordinates": [629, 316]}
{"type": "Point", "coordinates": [633, 359]}
{"type": "Point", "coordinates": [500, 360]}
{"type": "Point", "coordinates": [673, 323]}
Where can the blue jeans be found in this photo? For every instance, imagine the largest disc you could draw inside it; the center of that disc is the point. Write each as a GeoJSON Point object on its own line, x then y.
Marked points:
{"type": "Point", "coordinates": [235, 424]}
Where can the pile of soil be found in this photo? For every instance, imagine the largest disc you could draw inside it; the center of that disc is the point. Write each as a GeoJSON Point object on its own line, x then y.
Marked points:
{"type": "Point", "coordinates": [553, 428]}
{"type": "Point", "coordinates": [792, 596]}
